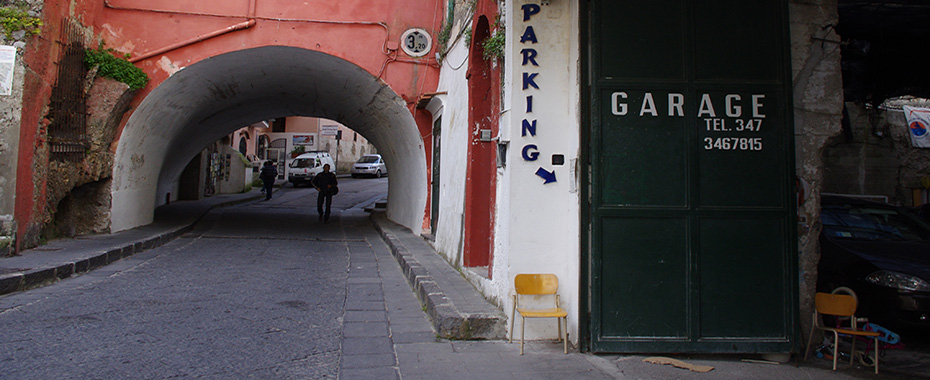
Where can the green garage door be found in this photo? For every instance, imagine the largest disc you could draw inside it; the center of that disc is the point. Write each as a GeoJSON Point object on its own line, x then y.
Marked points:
{"type": "Point", "coordinates": [692, 246]}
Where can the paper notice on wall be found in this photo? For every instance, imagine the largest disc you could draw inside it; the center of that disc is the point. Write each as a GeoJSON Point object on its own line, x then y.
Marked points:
{"type": "Point", "coordinates": [329, 130]}
{"type": "Point", "coordinates": [7, 62]}
{"type": "Point", "coordinates": [918, 122]}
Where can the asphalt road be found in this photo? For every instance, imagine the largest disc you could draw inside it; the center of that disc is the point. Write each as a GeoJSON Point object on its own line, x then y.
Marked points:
{"type": "Point", "coordinates": [255, 291]}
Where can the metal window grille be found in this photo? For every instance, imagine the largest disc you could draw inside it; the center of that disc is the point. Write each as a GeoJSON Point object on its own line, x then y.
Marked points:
{"type": "Point", "coordinates": [67, 132]}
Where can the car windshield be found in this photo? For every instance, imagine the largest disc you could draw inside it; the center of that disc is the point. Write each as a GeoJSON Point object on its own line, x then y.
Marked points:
{"type": "Point", "coordinates": [368, 160]}
{"type": "Point", "coordinates": [862, 222]}
{"type": "Point", "coordinates": [302, 163]}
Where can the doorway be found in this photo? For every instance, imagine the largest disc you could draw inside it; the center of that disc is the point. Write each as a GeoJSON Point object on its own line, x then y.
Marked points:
{"type": "Point", "coordinates": [690, 141]}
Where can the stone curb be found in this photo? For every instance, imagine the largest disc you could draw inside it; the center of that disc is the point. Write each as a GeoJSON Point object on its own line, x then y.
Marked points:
{"type": "Point", "coordinates": [38, 277]}
{"type": "Point", "coordinates": [447, 320]}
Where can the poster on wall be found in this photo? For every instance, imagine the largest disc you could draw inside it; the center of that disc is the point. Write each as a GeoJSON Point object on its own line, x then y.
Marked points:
{"type": "Point", "coordinates": [303, 140]}
{"type": "Point", "coordinates": [7, 62]}
{"type": "Point", "coordinates": [918, 119]}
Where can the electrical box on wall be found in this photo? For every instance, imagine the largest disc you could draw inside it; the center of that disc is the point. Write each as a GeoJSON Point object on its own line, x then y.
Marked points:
{"type": "Point", "coordinates": [484, 135]}
{"type": "Point", "coordinates": [502, 153]}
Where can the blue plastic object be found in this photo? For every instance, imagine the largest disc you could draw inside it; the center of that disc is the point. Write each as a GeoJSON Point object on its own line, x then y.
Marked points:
{"type": "Point", "coordinates": [886, 336]}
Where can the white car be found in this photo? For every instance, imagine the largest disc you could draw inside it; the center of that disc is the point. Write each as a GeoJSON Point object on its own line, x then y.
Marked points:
{"type": "Point", "coordinates": [371, 164]}
{"type": "Point", "coordinates": [306, 166]}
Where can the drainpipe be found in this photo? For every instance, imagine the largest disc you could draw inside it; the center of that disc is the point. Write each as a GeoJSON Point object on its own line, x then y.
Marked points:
{"type": "Point", "coordinates": [232, 28]}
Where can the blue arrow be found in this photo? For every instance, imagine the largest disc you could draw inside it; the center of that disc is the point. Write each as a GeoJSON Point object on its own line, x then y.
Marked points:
{"type": "Point", "coordinates": [546, 175]}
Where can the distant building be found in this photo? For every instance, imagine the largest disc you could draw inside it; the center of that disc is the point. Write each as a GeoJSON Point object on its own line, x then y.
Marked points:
{"type": "Point", "coordinates": [281, 139]}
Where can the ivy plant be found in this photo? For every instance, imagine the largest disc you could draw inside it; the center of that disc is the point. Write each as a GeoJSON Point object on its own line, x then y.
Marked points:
{"type": "Point", "coordinates": [14, 20]}
{"type": "Point", "coordinates": [493, 46]}
{"type": "Point", "coordinates": [111, 66]}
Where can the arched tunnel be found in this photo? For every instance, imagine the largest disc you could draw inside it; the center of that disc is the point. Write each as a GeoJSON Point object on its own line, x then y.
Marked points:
{"type": "Point", "coordinates": [211, 98]}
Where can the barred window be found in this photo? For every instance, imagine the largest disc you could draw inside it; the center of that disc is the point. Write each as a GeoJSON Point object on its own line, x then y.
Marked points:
{"type": "Point", "coordinates": [67, 132]}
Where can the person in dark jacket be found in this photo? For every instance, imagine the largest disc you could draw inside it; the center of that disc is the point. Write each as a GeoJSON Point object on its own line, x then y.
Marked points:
{"type": "Point", "coordinates": [326, 183]}
{"type": "Point", "coordinates": [268, 175]}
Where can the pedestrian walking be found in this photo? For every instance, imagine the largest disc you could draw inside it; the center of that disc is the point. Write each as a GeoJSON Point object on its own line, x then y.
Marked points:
{"type": "Point", "coordinates": [325, 182]}
{"type": "Point", "coordinates": [268, 174]}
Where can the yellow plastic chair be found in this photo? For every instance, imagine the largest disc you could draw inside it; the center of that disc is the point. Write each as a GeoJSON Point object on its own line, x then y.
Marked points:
{"type": "Point", "coordinates": [839, 305]}
{"type": "Point", "coordinates": [537, 285]}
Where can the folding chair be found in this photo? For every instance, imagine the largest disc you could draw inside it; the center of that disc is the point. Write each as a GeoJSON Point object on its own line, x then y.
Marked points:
{"type": "Point", "coordinates": [537, 285]}
{"type": "Point", "coordinates": [839, 305]}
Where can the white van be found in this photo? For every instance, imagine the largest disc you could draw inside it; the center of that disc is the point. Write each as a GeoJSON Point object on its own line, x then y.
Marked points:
{"type": "Point", "coordinates": [304, 167]}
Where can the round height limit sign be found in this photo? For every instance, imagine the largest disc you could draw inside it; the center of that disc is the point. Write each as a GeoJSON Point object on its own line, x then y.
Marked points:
{"type": "Point", "coordinates": [416, 42]}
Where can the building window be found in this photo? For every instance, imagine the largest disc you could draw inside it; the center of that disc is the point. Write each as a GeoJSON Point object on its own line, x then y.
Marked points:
{"type": "Point", "coordinates": [262, 147]}
{"type": "Point", "coordinates": [67, 107]}
{"type": "Point", "coordinates": [243, 148]}
{"type": "Point", "coordinates": [279, 125]}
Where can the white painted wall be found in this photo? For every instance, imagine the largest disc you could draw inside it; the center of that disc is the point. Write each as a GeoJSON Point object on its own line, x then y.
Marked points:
{"type": "Point", "coordinates": [454, 151]}
{"type": "Point", "coordinates": [537, 227]}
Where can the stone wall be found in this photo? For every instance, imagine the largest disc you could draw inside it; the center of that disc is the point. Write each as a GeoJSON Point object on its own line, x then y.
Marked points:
{"type": "Point", "coordinates": [818, 104]}
{"type": "Point", "coordinates": [874, 155]}
{"type": "Point", "coordinates": [78, 193]}
{"type": "Point", "coordinates": [862, 159]}
{"type": "Point", "coordinates": [10, 112]}
{"type": "Point", "coordinates": [10, 119]}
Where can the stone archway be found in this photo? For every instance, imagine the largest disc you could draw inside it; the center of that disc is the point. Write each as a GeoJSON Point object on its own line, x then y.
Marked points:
{"type": "Point", "coordinates": [213, 97]}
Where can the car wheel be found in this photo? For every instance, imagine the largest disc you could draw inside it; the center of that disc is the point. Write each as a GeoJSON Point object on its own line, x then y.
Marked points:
{"type": "Point", "coordinates": [354, 175]}
{"type": "Point", "coordinates": [378, 174]}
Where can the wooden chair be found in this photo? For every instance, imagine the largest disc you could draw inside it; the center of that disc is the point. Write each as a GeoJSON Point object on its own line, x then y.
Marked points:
{"type": "Point", "coordinates": [537, 285]}
{"type": "Point", "coordinates": [839, 305]}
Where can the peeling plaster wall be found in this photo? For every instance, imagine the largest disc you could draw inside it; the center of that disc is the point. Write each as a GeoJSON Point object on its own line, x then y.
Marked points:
{"type": "Point", "coordinates": [35, 65]}
{"type": "Point", "coordinates": [818, 105]}
{"type": "Point", "coordinates": [10, 118]}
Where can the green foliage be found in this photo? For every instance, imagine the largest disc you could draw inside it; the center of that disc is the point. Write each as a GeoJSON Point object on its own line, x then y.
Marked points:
{"type": "Point", "coordinates": [446, 31]}
{"type": "Point", "coordinates": [110, 66]}
{"type": "Point", "coordinates": [444, 36]}
{"type": "Point", "coordinates": [14, 20]}
{"type": "Point", "coordinates": [493, 46]}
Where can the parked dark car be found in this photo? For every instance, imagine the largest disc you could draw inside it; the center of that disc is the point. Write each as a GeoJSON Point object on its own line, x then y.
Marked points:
{"type": "Point", "coordinates": [882, 252]}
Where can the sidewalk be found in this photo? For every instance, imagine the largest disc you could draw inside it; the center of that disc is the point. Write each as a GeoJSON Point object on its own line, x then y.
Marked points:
{"type": "Point", "coordinates": [454, 306]}
{"type": "Point", "coordinates": [459, 313]}
{"type": "Point", "coordinates": [63, 258]}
